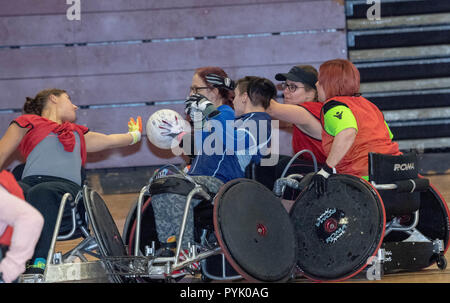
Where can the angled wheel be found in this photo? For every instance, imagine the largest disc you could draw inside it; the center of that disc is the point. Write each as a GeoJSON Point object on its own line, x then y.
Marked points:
{"type": "Point", "coordinates": [434, 222]}
{"type": "Point", "coordinates": [254, 231]}
{"type": "Point", "coordinates": [338, 232]}
{"type": "Point", "coordinates": [148, 227]}
{"type": "Point", "coordinates": [108, 238]}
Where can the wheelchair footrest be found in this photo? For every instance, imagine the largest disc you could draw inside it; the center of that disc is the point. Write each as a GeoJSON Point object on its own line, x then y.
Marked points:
{"type": "Point", "coordinates": [407, 256]}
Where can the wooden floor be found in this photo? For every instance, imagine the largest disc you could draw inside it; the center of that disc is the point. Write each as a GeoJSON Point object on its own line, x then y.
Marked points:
{"type": "Point", "coordinates": [119, 206]}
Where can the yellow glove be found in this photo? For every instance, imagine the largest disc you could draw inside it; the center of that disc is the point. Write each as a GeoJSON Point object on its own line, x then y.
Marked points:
{"type": "Point", "coordinates": [135, 129]}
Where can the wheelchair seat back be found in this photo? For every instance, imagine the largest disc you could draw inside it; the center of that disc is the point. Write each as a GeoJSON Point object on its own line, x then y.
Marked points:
{"type": "Point", "coordinates": [268, 175]}
{"type": "Point", "coordinates": [178, 185]}
{"type": "Point", "coordinates": [18, 171]}
{"type": "Point", "coordinates": [403, 171]}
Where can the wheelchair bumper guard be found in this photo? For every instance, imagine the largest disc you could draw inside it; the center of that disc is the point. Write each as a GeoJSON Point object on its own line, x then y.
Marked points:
{"type": "Point", "coordinates": [410, 256]}
{"type": "Point", "coordinates": [70, 272]}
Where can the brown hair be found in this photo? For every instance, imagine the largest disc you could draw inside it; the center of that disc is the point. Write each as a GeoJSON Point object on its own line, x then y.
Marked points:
{"type": "Point", "coordinates": [259, 90]}
{"type": "Point", "coordinates": [339, 77]}
{"type": "Point", "coordinates": [36, 105]}
{"type": "Point", "coordinates": [226, 95]}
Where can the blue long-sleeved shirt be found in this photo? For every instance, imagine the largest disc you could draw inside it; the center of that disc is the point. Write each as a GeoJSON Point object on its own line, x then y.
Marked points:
{"type": "Point", "coordinates": [231, 144]}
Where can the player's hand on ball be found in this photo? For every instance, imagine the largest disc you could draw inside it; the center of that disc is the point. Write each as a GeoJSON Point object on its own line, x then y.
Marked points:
{"type": "Point", "coordinates": [172, 129]}
{"type": "Point", "coordinates": [165, 128]}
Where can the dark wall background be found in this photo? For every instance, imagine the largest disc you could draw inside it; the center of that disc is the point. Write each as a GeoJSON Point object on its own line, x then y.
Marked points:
{"type": "Point", "coordinates": [127, 58]}
{"type": "Point", "coordinates": [132, 57]}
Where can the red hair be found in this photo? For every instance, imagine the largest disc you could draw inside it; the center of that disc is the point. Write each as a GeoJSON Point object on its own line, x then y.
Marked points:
{"type": "Point", "coordinates": [339, 77]}
{"type": "Point", "coordinates": [226, 95]}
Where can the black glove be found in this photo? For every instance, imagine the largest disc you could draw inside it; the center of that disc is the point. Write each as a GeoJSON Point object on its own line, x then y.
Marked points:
{"type": "Point", "coordinates": [319, 180]}
{"type": "Point", "coordinates": [198, 107]}
{"type": "Point", "coordinates": [220, 82]}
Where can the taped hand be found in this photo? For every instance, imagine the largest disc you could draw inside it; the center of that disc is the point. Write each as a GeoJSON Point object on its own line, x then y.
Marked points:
{"type": "Point", "coordinates": [135, 129]}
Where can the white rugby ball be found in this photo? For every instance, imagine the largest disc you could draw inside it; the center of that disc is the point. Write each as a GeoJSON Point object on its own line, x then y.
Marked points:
{"type": "Point", "coordinates": [162, 125]}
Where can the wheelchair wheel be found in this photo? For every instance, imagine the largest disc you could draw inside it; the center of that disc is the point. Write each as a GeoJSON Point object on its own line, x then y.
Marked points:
{"type": "Point", "coordinates": [129, 220]}
{"type": "Point", "coordinates": [441, 262]}
{"type": "Point", "coordinates": [148, 227]}
{"type": "Point", "coordinates": [338, 232]}
{"type": "Point", "coordinates": [434, 217]}
{"type": "Point", "coordinates": [254, 231]}
{"type": "Point", "coordinates": [108, 238]}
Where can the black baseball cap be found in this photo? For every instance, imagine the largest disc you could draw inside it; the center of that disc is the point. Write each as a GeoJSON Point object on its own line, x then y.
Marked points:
{"type": "Point", "coordinates": [298, 74]}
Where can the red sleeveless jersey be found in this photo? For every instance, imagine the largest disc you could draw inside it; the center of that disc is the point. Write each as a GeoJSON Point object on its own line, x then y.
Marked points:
{"type": "Point", "coordinates": [40, 127]}
{"type": "Point", "coordinates": [372, 136]}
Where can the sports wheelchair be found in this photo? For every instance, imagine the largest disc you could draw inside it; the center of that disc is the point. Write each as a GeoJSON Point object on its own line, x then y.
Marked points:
{"type": "Point", "coordinates": [78, 218]}
{"type": "Point", "coordinates": [394, 222]}
{"type": "Point", "coordinates": [91, 221]}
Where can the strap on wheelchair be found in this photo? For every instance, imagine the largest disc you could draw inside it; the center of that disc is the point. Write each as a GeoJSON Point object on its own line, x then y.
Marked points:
{"type": "Point", "coordinates": [412, 185]}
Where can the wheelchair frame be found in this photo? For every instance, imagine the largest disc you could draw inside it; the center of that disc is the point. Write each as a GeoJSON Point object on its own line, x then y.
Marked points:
{"type": "Point", "coordinates": [415, 236]}
{"type": "Point", "coordinates": [168, 265]}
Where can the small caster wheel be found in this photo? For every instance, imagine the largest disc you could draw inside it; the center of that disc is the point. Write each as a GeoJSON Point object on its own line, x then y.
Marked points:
{"type": "Point", "coordinates": [441, 262]}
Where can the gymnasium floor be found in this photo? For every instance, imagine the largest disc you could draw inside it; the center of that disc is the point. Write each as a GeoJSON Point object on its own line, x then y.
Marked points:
{"type": "Point", "coordinates": [120, 204]}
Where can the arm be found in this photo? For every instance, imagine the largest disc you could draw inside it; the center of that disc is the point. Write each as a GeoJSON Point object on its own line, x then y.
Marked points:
{"type": "Point", "coordinates": [297, 115]}
{"type": "Point", "coordinates": [10, 141]}
{"type": "Point", "coordinates": [97, 141]}
{"type": "Point", "coordinates": [27, 223]}
{"type": "Point", "coordinates": [341, 144]}
{"type": "Point", "coordinates": [340, 123]}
